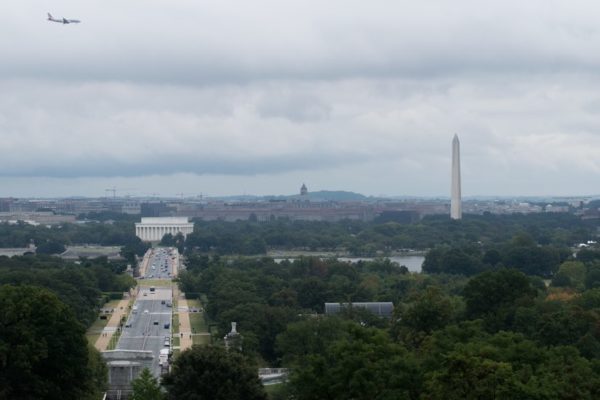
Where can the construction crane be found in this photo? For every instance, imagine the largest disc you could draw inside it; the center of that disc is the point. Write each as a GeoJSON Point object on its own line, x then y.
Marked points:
{"type": "Point", "coordinates": [113, 190]}
{"type": "Point", "coordinates": [198, 195]}
{"type": "Point", "coordinates": [185, 194]}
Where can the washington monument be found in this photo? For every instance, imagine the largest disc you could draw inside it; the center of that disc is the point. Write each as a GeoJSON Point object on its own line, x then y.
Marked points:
{"type": "Point", "coordinates": [455, 201]}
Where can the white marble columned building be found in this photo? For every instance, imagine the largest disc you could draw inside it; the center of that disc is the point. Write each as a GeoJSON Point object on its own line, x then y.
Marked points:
{"type": "Point", "coordinates": [153, 229]}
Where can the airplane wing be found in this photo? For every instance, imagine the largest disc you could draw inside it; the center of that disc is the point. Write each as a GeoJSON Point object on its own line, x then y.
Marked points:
{"type": "Point", "coordinates": [51, 18]}
{"type": "Point", "coordinates": [63, 20]}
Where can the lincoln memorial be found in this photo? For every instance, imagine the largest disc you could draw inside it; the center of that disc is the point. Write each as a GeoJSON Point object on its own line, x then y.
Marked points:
{"type": "Point", "coordinates": [153, 229]}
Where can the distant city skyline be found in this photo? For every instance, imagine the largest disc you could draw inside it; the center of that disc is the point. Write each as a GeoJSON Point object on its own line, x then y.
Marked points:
{"type": "Point", "coordinates": [345, 96]}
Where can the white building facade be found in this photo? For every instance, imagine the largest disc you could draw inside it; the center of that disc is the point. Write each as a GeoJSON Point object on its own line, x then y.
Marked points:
{"type": "Point", "coordinates": [153, 229]}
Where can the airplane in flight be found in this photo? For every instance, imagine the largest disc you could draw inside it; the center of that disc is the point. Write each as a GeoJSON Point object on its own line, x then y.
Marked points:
{"type": "Point", "coordinates": [63, 20]}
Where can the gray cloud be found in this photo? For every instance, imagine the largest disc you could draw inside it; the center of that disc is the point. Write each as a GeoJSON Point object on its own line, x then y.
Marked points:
{"type": "Point", "coordinates": [202, 42]}
{"type": "Point", "coordinates": [296, 107]}
{"type": "Point", "coordinates": [342, 94]}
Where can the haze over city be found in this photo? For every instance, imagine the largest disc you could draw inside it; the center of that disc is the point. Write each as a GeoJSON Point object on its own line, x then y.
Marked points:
{"type": "Point", "coordinates": [233, 97]}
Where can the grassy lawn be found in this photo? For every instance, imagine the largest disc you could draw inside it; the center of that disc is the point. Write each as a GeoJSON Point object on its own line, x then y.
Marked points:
{"type": "Point", "coordinates": [156, 282]}
{"type": "Point", "coordinates": [94, 331]}
{"type": "Point", "coordinates": [197, 322]}
{"type": "Point", "coordinates": [175, 341]}
{"type": "Point", "coordinates": [194, 303]}
{"type": "Point", "coordinates": [273, 389]}
{"type": "Point", "coordinates": [175, 323]}
{"type": "Point", "coordinates": [111, 304]}
{"type": "Point", "coordinates": [201, 339]}
{"type": "Point", "coordinates": [113, 341]}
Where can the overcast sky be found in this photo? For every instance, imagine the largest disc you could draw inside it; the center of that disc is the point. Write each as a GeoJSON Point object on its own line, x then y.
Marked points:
{"type": "Point", "coordinates": [257, 97]}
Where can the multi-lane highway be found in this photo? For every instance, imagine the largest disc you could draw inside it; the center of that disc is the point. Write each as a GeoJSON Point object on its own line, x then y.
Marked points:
{"type": "Point", "coordinates": [149, 324]}
{"type": "Point", "coordinates": [160, 265]}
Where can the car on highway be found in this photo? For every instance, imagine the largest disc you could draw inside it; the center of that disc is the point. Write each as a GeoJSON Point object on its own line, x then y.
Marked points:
{"type": "Point", "coordinates": [145, 311]}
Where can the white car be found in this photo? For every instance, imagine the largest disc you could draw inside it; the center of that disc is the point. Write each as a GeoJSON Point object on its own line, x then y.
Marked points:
{"type": "Point", "coordinates": [145, 311]}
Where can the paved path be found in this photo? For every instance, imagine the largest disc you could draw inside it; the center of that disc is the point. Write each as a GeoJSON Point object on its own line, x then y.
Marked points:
{"type": "Point", "coordinates": [122, 309]}
{"type": "Point", "coordinates": [185, 328]}
{"type": "Point", "coordinates": [176, 264]}
{"type": "Point", "coordinates": [145, 262]}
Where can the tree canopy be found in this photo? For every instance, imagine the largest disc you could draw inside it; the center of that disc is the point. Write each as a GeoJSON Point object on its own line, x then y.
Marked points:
{"type": "Point", "coordinates": [212, 373]}
{"type": "Point", "coordinates": [146, 387]}
{"type": "Point", "coordinates": [43, 350]}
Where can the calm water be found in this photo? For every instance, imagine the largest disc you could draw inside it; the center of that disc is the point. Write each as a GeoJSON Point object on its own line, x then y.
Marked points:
{"type": "Point", "coordinates": [413, 263]}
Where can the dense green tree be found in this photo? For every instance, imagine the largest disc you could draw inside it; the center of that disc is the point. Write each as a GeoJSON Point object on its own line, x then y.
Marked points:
{"type": "Point", "coordinates": [592, 276]}
{"type": "Point", "coordinates": [588, 255]}
{"type": "Point", "coordinates": [462, 362]}
{"type": "Point", "coordinates": [50, 247]}
{"type": "Point", "coordinates": [167, 240]}
{"type": "Point", "coordinates": [452, 260]}
{"type": "Point", "coordinates": [359, 238]}
{"type": "Point", "coordinates": [572, 274]}
{"type": "Point", "coordinates": [555, 323]}
{"type": "Point", "coordinates": [79, 286]}
{"type": "Point", "coordinates": [264, 296]}
{"type": "Point", "coordinates": [469, 377]}
{"type": "Point", "coordinates": [589, 299]}
{"type": "Point", "coordinates": [146, 387]}
{"type": "Point", "coordinates": [495, 295]}
{"type": "Point", "coordinates": [523, 239]}
{"type": "Point", "coordinates": [212, 373]}
{"type": "Point", "coordinates": [533, 260]}
{"type": "Point", "coordinates": [492, 257]}
{"type": "Point", "coordinates": [43, 350]}
{"type": "Point", "coordinates": [363, 365]}
{"type": "Point", "coordinates": [176, 240]}
{"type": "Point", "coordinates": [97, 384]}
{"type": "Point", "coordinates": [259, 324]}
{"type": "Point", "coordinates": [134, 248]}
{"type": "Point", "coordinates": [310, 336]}
{"type": "Point", "coordinates": [429, 311]}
